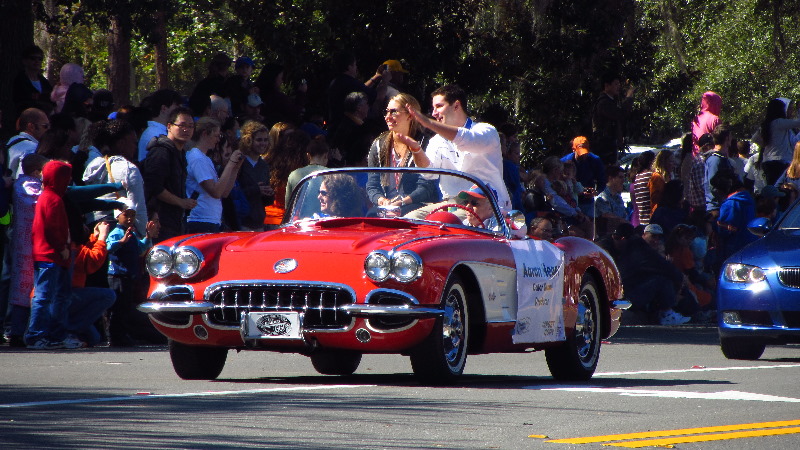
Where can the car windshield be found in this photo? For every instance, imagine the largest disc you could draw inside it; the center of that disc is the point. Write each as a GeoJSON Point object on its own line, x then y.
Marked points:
{"type": "Point", "coordinates": [791, 221]}
{"type": "Point", "coordinates": [412, 194]}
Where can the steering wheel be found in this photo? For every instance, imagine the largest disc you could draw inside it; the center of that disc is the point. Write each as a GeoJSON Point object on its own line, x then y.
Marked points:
{"type": "Point", "coordinates": [462, 207]}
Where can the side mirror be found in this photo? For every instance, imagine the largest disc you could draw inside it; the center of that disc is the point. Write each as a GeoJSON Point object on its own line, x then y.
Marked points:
{"type": "Point", "coordinates": [516, 223]}
{"type": "Point", "coordinates": [759, 226]}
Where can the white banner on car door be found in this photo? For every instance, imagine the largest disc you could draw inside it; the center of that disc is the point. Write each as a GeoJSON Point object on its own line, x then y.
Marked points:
{"type": "Point", "coordinates": [540, 291]}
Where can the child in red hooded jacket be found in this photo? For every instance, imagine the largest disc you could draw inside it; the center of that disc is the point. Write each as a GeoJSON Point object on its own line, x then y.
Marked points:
{"type": "Point", "coordinates": [47, 328]}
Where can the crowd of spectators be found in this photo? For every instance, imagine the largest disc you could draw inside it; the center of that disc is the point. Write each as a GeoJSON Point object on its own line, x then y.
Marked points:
{"type": "Point", "coordinates": [90, 185]}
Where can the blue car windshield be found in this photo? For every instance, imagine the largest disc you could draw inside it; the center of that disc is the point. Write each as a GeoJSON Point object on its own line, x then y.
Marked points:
{"type": "Point", "coordinates": [791, 221]}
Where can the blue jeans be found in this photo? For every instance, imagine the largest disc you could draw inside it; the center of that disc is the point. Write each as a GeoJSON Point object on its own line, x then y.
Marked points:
{"type": "Point", "coordinates": [86, 306]}
{"type": "Point", "coordinates": [50, 303]}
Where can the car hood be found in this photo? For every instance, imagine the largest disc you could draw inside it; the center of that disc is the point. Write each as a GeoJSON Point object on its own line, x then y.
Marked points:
{"type": "Point", "coordinates": [777, 249]}
{"type": "Point", "coordinates": [334, 236]}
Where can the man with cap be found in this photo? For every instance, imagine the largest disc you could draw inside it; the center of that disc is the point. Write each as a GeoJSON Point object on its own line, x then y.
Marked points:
{"type": "Point", "coordinates": [589, 171]}
{"type": "Point", "coordinates": [251, 110]}
{"type": "Point", "coordinates": [650, 282]}
{"type": "Point", "coordinates": [239, 86]}
{"type": "Point", "coordinates": [476, 201]}
{"type": "Point", "coordinates": [397, 79]}
{"type": "Point", "coordinates": [654, 236]}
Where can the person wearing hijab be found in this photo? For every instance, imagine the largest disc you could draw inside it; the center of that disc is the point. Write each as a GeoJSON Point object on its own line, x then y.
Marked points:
{"type": "Point", "coordinates": [70, 73]}
{"type": "Point", "coordinates": [707, 120]}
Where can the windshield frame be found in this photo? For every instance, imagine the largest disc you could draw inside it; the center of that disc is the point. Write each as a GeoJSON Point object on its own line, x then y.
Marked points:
{"type": "Point", "coordinates": [503, 228]}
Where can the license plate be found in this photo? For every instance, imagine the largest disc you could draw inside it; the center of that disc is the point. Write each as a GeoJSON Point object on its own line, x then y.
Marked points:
{"type": "Point", "coordinates": [271, 325]}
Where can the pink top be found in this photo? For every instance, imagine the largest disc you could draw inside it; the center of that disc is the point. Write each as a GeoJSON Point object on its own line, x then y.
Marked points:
{"type": "Point", "coordinates": [707, 120]}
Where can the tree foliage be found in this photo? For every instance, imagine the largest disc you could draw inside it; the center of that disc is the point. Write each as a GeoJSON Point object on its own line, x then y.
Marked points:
{"type": "Point", "coordinates": [533, 62]}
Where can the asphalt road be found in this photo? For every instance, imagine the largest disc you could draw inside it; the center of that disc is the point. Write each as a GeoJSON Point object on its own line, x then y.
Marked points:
{"type": "Point", "coordinates": [650, 379]}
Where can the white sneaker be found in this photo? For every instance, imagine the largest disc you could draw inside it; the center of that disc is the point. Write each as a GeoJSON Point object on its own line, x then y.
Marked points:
{"type": "Point", "coordinates": [71, 342]}
{"type": "Point", "coordinates": [670, 317]}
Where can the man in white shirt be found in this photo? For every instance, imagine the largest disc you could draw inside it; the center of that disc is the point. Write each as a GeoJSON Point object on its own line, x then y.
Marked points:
{"type": "Point", "coordinates": [460, 144]}
{"type": "Point", "coordinates": [32, 125]}
{"type": "Point", "coordinates": [161, 104]}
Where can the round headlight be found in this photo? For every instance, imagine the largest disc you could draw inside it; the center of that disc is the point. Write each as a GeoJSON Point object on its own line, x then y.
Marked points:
{"type": "Point", "coordinates": [744, 273]}
{"type": "Point", "coordinates": [159, 262]}
{"type": "Point", "coordinates": [187, 261]}
{"type": "Point", "coordinates": [377, 265]}
{"type": "Point", "coordinates": [406, 266]}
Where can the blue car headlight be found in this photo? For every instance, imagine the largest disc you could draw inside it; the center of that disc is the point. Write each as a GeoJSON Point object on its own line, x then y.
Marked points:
{"type": "Point", "coordinates": [743, 273]}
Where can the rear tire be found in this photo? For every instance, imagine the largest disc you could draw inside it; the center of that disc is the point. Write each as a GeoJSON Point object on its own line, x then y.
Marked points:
{"type": "Point", "coordinates": [197, 363]}
{"type": "Point", "coordinates": [441, 357]}
{"type": "Point", "coordinates": [576, 359]}
{"type": "Point", "coordinates": [333, 362]}
{"type": "Point", "coordinates": [741, 348]}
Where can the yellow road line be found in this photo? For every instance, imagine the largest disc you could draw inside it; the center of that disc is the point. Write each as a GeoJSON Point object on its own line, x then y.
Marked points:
{"type": "Point", "coordinates": [705, 438]}
{"type": "Point", "coordinates": [666, 433]}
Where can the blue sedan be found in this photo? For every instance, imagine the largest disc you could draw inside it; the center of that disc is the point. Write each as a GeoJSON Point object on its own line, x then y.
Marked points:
{"type": "Point", "coordinates": [758, 297]}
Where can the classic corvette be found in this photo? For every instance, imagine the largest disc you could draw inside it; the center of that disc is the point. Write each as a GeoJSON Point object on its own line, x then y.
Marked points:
{"type": "Point", "coordinates": [758, 294]}
{"type": "Point", "coordinates": [346, 274]}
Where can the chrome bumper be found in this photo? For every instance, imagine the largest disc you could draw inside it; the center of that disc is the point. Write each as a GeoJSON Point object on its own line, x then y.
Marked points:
{"type": "Point", "coordinates": [389, 310]}
{"type": "Point", "coordinates": [184, 307]}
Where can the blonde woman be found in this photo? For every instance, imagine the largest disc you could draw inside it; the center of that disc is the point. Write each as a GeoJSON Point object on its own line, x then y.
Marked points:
{"type": "Point", "coordinates": [663, 169]}
{"type": "Point", "coordinates": [792, 173]}
{"type": "Point", "coordinates": [408, 191]}
{"type": "Point", "coordinates": [202, 181]}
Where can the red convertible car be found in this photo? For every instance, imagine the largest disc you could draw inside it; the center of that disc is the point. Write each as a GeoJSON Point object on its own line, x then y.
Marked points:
{"type": "Point", "coordinates": [357, 267]}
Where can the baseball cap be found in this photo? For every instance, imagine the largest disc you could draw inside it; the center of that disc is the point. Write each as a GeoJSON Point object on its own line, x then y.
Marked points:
{"type": "Point", "coordinates": [394, 65]}
{"type": "Point", "coordinates": [244, 61]}
{"type": "Point", "coordinates": [127, 205]}
{"type": "Point", "coordinates": [654, 228]}
{"type": "Point", "coordinates": [771, 191]}
{"type": "Point", "coordinates": [476, 192]}
{"type": "Point", "coordinates": [254, 100]}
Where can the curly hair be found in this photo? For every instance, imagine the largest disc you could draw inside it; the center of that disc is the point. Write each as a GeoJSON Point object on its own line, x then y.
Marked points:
{"type": "Point", "coordinates": [249, 130]}
{"type": "Point", "coordinates": [343, 195]}
{"type": "Point", "coordinates": [288, 154]}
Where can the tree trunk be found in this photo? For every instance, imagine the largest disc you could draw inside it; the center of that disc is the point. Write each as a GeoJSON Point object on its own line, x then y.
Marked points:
{"type": "Point", "coordinates": [162, 74]}
{"type": "Point", "coordinates": [119, 59]}
{"type": "Point", "coordinates": [16, 33]}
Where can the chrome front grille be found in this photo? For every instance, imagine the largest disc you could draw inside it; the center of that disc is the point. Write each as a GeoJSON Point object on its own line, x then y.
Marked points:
{"type": "Point", "coordinates": [319, 305]}
{"type": "Point", "coordinates": [789, 276]}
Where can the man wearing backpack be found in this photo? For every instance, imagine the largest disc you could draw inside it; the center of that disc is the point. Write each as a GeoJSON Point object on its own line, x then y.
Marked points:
{"type": "Point", "coordinates": [32, 124]}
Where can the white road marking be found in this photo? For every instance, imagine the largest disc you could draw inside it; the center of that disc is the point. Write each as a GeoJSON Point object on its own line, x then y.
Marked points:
{"type": "Point", "coordinates": [705, 369]}
{"type": "Point", "coordinates": [724, 395]}
{"type": "Point", "coordinates": [186, 394]}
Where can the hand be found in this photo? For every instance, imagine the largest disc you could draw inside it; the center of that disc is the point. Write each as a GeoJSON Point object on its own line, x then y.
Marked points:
{"type": "Point", "coordinates": [383, 201]}
{"type": "Point", "coordinates": [188, 203]}
{"type": "Point", "coordinates": [129, 233]}
{"type": "Point", "coordinates": [236, 157]}
{"type": "Point", "coordinates": [64, 254]}
{"type": "Point", "coordinates": [101, 230]}
{"type": "Point", "coordinates": [630, 91]}
{"type": "Point", "coordinates": [266, 190]}
{"type": "Point", "coordinates": [416, 115]}
{"type": "Point", "coordinates": [152, 229]}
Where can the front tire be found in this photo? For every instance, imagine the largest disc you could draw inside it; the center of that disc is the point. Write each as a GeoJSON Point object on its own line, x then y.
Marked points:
{"type": "Point", "coordinates": [335, 362]}
{"type": "Point", "coordinates": [197, 363]}
{"type": "Point", "coordinates": [441, 357]}
{"type": "Point", "coordinates": [741, 348]}
{"type": "Point", "coordinates": [576, 359]}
